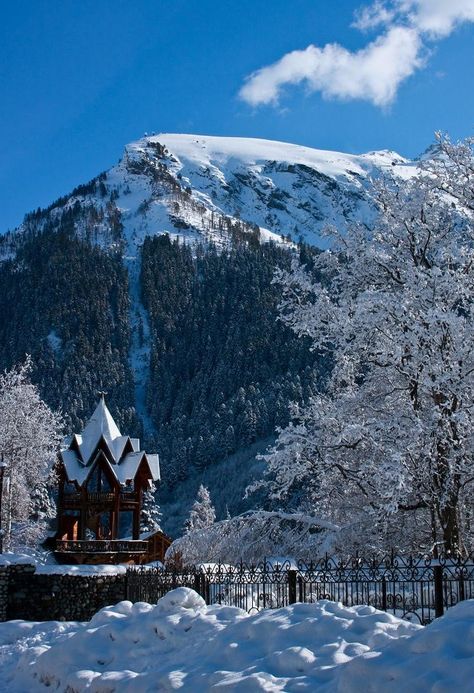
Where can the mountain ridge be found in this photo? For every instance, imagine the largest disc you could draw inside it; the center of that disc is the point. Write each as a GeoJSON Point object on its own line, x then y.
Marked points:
{"type": "Point", "coordinates": [201, 188]}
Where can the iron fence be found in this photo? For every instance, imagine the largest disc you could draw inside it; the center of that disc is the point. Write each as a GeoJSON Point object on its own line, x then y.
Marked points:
{"type": "Point", "coordinates": [417, 589]}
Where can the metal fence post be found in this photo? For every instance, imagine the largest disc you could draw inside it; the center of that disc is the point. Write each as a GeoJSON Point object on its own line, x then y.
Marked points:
{"type": "Point", "coordinates": [198, 584]}
{"type": "Point", "coordinates": [127, 585]}
{"type": "Point", "coordinates": [292, 587]}
{"type": "Point", "coordinates": [462, 595]}
{"type": "Point", "coordinates": [384, 594]}
{"type": "Point", "coordinates": [301, 591]}
{"type": "Point", "coordinates": [438, 590]}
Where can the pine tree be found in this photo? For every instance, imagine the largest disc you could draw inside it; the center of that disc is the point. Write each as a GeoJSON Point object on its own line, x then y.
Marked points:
{"type": "Point", "coordinates": [202, 513]}
{"type": "Point", "coordinates": [150, 515]}
{"type": "Point", "coordinates": [41, 505]}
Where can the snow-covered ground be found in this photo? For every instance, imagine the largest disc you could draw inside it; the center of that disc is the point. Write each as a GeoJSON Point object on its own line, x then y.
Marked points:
{"type": "Point", "coordinates": [182, 644]}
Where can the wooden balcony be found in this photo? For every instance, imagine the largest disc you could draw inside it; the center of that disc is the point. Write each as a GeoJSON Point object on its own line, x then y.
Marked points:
{"type": "Point", "coordinates": [127, 546]}
{"type": "Point", "coordinates": [75, 500]}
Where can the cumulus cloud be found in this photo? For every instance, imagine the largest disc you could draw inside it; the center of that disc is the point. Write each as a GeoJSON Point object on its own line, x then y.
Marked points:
{"type": "Point", "coordinates": [436, 18]}
{"type": "Point", "coordinates": [373, 73]}
{"type": "Point", "coordinates": [373, 16]}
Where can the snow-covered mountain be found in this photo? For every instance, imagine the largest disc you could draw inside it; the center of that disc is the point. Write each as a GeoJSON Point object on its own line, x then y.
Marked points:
{"type": "Point", "coordinates": [283, 188]}
{"type": "Point", "coordinates": [202, 367]}
{"type": "Point", "coordinates": [204, 188]}
{"type": "Point", "coordinates": [192, 184]}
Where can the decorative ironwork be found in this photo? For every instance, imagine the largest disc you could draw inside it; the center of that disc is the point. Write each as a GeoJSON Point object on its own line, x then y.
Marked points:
{"type": "Point", "coordinates": [417, 589]}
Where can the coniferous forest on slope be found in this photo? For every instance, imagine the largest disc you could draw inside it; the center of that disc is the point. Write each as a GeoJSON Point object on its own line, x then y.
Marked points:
{"type": "Point", "coordinates": [65, 302]}
{"type": "Point", "coordinates": [222, 368]}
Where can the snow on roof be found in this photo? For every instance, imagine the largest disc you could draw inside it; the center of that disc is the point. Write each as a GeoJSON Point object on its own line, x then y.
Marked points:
{"type": "Point", "coordinates": [101, 424]}
{"type": "Point", "coordinates": [118, 446]}
{"type": "Point", "coordinates": [75, 470]}
{"type": "Point", "coordinates": [154, 464]}
{"type": "Point", "coordinates": [128, 467]}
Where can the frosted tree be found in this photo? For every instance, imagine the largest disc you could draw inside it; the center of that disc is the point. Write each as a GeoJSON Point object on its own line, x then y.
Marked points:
{"type": "Point", "coordinates": [41, 505]}
{"type": "Point", "coordinates": [150, 518]}
{"type": "Point", "coordinates": [29, 439]}
{"type": "Point", "coordinates": [253, 536]}
{"type": "Point", "coordinates": [202, 513]}
{"type": "Point", "coordinates": [386, 451]}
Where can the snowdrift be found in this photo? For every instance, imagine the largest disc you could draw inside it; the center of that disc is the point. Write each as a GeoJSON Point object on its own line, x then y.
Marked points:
{"type": "Point", "coordinates": [182, 644]}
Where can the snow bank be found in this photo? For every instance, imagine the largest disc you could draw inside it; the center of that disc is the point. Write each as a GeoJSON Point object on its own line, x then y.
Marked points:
{"type": "Point", "coordinates": [8, 558]}
{"type": "Point", "coordinates": [182, 644]}
{"type": "Point", "coordinates": [437, 658]}
{"type": "Point", "coordinates": [53, 568]}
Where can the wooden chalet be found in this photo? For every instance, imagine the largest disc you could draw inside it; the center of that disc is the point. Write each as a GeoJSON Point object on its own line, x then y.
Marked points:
{"type": "Point", "coordinates": [102, 477]}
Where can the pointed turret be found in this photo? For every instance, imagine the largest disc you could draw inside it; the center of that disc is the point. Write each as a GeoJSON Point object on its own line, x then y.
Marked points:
{"type": "Point", "coordinates": [100, 425]}
{"type": "Point", "coordinates": [102, 437]}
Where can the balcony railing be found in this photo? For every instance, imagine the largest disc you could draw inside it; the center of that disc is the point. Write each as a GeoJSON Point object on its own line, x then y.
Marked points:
{"type": "Point", "coordinates": [102, 546]}
{"type": "Point", "coordinates": [76, 498]}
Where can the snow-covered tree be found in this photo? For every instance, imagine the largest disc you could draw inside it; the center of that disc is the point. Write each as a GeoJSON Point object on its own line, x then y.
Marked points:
{"type": "Point", "coordinates": [42, 506]}
{"type": "Point", "coordinates": [150, 518]}
{"type": "Point", "coordinates": [202, 513]}
{"type": "Point", "coordinates": [387, 450]}
{"type": "Point", "coordinates": [253, 536]}
{"type": "Point", "coordinates": [29, 439]}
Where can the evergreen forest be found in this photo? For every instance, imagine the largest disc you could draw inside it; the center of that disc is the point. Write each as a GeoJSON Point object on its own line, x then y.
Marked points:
{"type": "Point", "coordinates": [222, 368]}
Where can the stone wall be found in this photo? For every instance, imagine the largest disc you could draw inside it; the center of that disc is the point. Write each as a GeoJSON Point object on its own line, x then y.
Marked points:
{"type": "Point", "coordinates": [56, 597]}
{"type": "Point", "coordinates": [4, 573]}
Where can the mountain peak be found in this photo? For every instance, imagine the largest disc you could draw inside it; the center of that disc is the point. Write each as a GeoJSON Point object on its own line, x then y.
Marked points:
{"type": "Point", "coordinates": [208, 189]}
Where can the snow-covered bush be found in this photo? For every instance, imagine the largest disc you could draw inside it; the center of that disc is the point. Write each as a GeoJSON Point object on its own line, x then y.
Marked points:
{"type": "Point", "coordinates": [252, 536]}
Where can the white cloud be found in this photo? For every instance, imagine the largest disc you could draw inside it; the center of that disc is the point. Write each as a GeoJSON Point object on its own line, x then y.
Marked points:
{"type": "Point", "coordinates": [373, 73]}
{"type": "Point", "coordinates": [373, 16]}
{"type": "Point", "coordinates": [437, 18]}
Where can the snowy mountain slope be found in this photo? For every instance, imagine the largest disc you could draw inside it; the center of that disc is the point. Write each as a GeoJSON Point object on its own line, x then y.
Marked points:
{"type": "Point", "coordinates": [207, 188]}
{"type": "Point", "coordinates": [283, 188]}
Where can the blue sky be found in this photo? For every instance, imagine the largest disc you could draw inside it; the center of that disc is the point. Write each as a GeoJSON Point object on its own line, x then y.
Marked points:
{"type": "Point", "coordinates": [78, 80]}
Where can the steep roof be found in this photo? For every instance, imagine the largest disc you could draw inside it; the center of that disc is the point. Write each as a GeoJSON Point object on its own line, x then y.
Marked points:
{"type": "Point", "coordinates": [100, 425]}
{"type": "Point", "coordinates": [123, 453]}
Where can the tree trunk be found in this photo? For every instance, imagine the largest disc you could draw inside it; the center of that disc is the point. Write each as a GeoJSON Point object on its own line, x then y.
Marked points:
{"type": "Point", "coordinates": [448, 517]}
